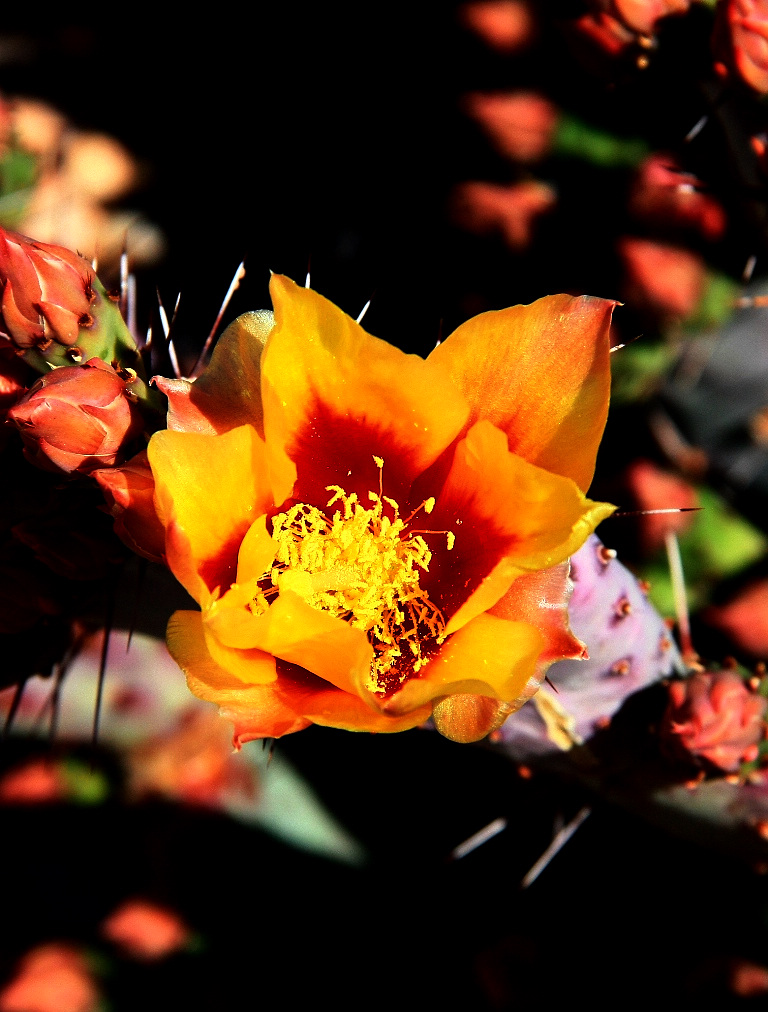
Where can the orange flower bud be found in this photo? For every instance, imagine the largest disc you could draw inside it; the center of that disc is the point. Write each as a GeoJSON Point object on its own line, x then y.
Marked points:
{"type": "Point", "coordinates": [715, 716]}
{"type": "Point", "coordinates": [77, 418]}
{"type": "Point", "coordinates": [744, 618]}
{"type": "Point", "coordinates": [505, 25]}
{"type": "Point", "coordinates": [740, 40]}
{"type": "Point", "coordinates": [146, 931]}
{"type": "Point", "coordinates": [129, 491]}
{"type": "Point", "coordinates": [51, 978]}
{"type": "Point", "coordinates": [667, 281]}
{"type": "Point", "coordinates": [47, 292]}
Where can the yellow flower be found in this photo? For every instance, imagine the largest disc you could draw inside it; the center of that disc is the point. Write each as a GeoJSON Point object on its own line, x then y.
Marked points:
{"type": "Point", "coordinates": [374, 538]}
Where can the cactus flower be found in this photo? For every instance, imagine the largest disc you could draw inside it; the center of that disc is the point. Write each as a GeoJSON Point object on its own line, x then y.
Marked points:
{"type": "Point", "coordinates": [383, 538]}
{"type": "Point", "coordinates": [77, 418]}
{"type": "Point", "coordinates": [715, 716]}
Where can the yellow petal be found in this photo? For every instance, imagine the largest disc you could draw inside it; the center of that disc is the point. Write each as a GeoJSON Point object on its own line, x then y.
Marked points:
{"type": "Point", "coordinates": [208, 491]}
{"type": "Point", "coordinates": [257, 552]}
{"type": "Point", "coordinates": [540, 373]}
{"type": "Point", "coordinates": [189, 647]}
{"type": "Point", "coordinates": [286, 703]}
{"type": "Point", "coordinates": [294, 631]}
{"type": "Point", "coordinates": [490, 656]}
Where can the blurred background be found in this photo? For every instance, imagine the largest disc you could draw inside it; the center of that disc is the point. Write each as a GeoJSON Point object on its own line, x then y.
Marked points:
{"type": "Point", "coordinates": [439, 160]}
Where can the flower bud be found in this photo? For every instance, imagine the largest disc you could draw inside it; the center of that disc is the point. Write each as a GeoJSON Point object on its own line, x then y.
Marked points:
{"type": "Point", "coordinates": [129, 491]}
{"type": "Point", "coordinates": [715, 716]}
{"type": "Point", "coordinates": [55, 310]}
{"type": "Point", "coordinates": [520, 124]}
{"type": "Point", "coordinates": [641, 15]}
{"type": "Point", "coordinates": [77, 418]}
{"type": "Point", "coordinates": [665, 281]}
{"type": "Point", "coordinates": [740, 41]}
{"type": "Point", "coordinates": [664, 194]}
{"type": "Point", "coordinates": [47, 292]}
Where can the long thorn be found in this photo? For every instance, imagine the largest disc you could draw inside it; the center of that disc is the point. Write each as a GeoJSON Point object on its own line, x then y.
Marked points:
{"type": "Point", "coordinates": [167, 331]}
{"type": "Point", "coordinates": [55, 700]}
{"type": "Point", "coordinates": [124, 278]}
{"type": "Point", "coordinates": [558, 842]}
{"type": "Point", "coordinates": [14, 708]}
{"type": "Point", "coordinates": [618, 347]}
{"type": "Point", "coordinates": [363, 311]}
{"type": "Point", "coordinates": [680, 597]}
{"type": "Point", "coordinates": [108, 620]}
{"type": "Point", "coordinates": [651, 513]}
{"type": "Point", "coordinates": [478, 839]}
{"type": "Point", "coordinates": [234, 285]}
{"type": "Point", "coordinates": [143, 566]}
{"type": "Point", "coordinates": [696, 129]}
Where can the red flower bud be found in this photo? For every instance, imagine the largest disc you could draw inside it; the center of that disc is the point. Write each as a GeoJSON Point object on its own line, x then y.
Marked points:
{"type": "Point", "coordinates": [129, 491]}
{"type": "Point", "coordinates": [47, 292]}
{"type": "Point", "coordinates": [740, 41]}
{"type": "Point", "coordinates": [715, 716]}
{"type": "Point", "coordinates": [77, 418]}
{"type": "Point", "coordinates": [666, 195]}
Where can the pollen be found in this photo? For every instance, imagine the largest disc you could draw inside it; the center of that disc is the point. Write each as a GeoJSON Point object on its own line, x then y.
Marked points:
{"type": "Point", "coordinates": [362, 564]}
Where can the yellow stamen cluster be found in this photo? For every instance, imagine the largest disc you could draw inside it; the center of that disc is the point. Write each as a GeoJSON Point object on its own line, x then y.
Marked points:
{"type": "Point", "coordinates": [364, 567]}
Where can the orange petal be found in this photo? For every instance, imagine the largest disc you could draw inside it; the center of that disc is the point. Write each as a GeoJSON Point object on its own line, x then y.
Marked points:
{"type": "Point", "coordinates": [334, 396]}
{"type": "Point", "coordinates": [291, 702]}
{"type": "Point", "coordinates": [298, 699]}
{"type": "Point", "coordinates": [541, 374]}
{"type": "Point", "coordinates": [228, 393]}
{"type": "Point", "coordinates": [296, 632]}
{"type": "Point", "coordinates": [208, 491]}
{"type": "Point", "coordinates": [256, 710]}
{"type": "Point", "coordinates": [490, 657]}
{"type": "Point", "coordinates": [509, 517]}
